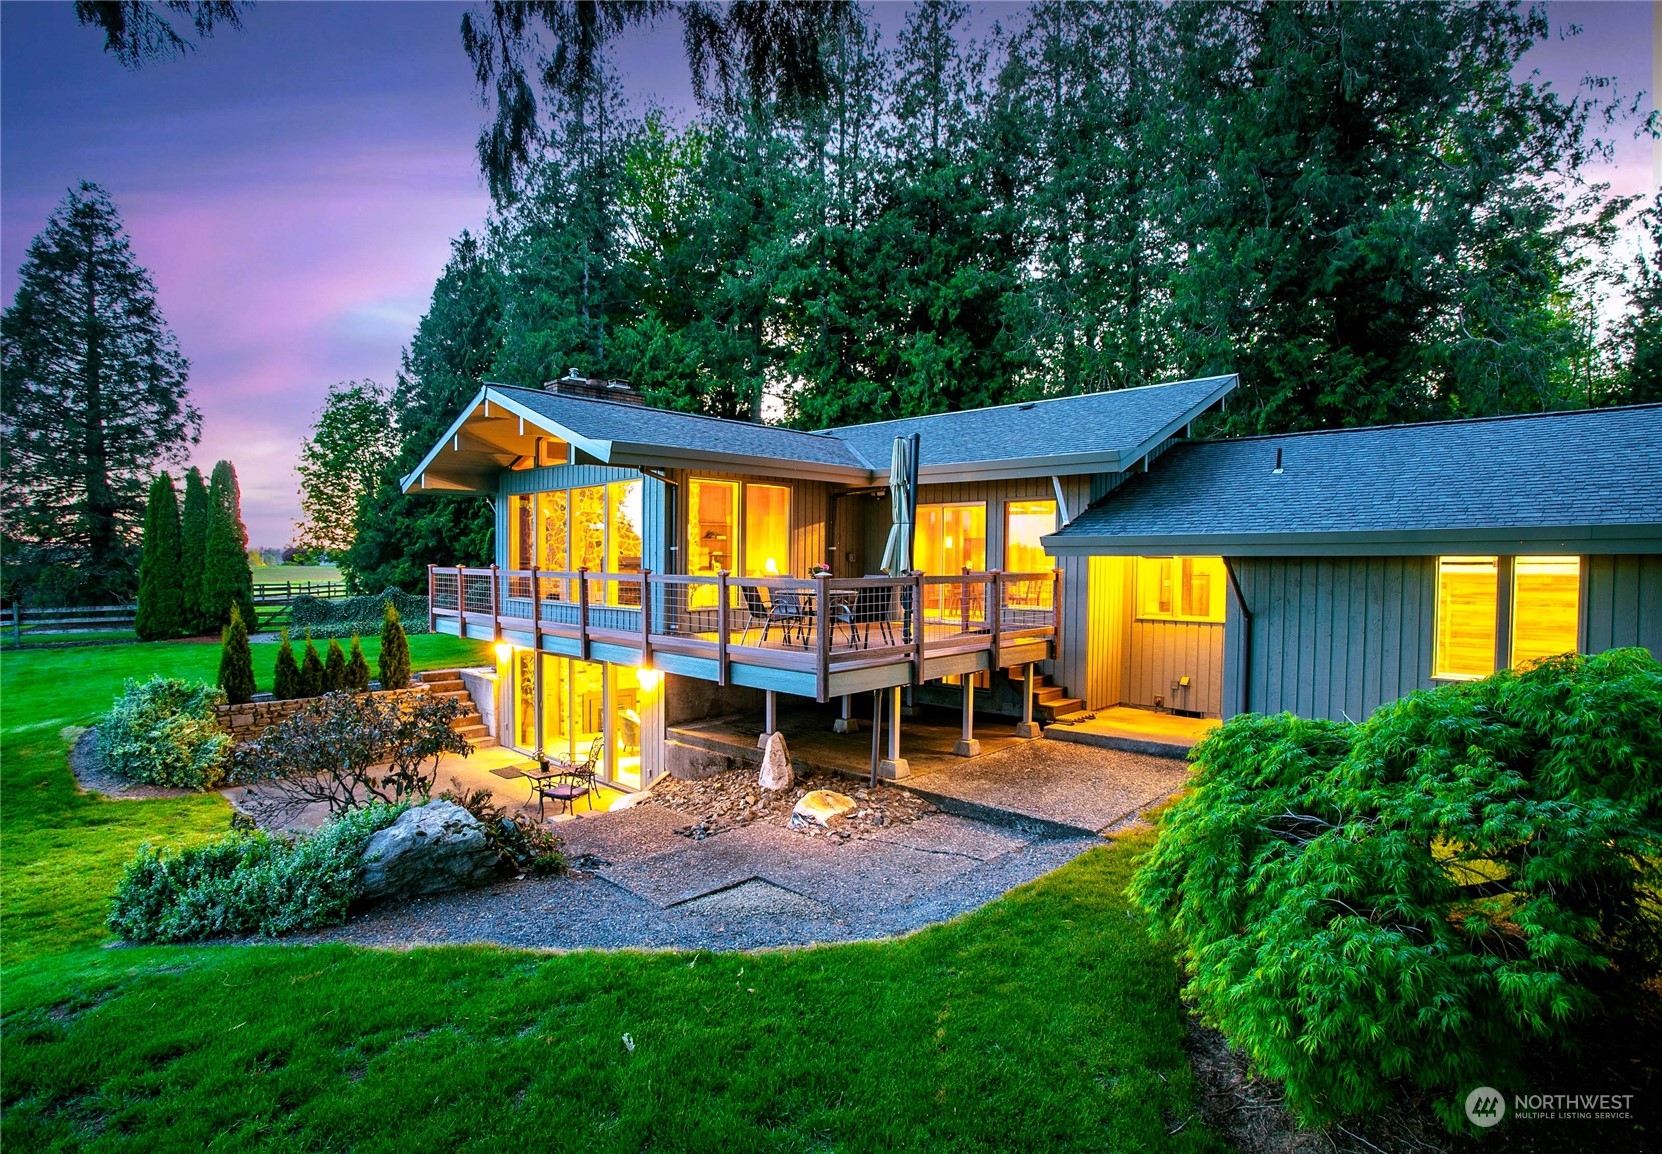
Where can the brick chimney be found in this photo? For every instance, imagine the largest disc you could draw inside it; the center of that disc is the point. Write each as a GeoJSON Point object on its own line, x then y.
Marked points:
{"type": "Point", "coordinates": [575, 384]}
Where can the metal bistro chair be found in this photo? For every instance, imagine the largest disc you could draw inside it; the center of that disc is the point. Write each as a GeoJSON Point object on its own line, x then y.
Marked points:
{"type": "Point", "coordinates": [566, 782]}
{"type": "Point", "coordinates": [872, 606]}
{"type": "Point", "coordinates": [785, 612]}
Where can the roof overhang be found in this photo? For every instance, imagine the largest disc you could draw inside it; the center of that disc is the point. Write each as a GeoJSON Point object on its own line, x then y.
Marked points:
{"type": "Point", "coordinates": [1590, 539]}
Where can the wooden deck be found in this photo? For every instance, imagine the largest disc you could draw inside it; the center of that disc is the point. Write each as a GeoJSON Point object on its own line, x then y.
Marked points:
{"type": "Point", "coordinates": [825, 637]}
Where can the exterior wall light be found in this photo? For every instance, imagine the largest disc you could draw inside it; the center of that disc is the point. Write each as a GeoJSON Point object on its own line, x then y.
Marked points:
{"type": "Point", "coordinates": [503, 651]}
{"type": "Point", "coordinates": [647, 678]}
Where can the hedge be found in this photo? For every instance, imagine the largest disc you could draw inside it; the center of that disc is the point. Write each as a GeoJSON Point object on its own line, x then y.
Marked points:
{"type": "Point", "coordinates": [356, 615]}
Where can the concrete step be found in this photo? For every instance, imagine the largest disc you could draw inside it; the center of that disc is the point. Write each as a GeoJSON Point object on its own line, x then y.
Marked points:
{"type": "Point", "coordinates": [440, 675]}
{"type": "Point", "coordinates": [1150, 747]}
{"type": "Point", "coordinates": [471, 731]}
{"type": "Point", "coordinates": [446, 688]}
{"type": "Point", "coordinates": [465, 719]}
{"type": "Point", "coordinates": [486, 742]}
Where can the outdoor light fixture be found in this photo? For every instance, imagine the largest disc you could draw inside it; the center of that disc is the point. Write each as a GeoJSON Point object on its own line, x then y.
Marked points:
{"type": "Point", "coordinates": [503, 650]}
{"type": "Point", "coordinates": [647, 678]}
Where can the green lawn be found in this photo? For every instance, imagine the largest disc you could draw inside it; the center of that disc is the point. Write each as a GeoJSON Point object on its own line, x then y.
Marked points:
{"type": "Point", "coordinates": [276, 574]}
{"type": "Point", "coordinates": [1047, 1021]}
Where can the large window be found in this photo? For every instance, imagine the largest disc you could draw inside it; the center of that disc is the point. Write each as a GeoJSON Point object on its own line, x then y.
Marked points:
{"type": "Point", "coordinates": [1544, 603]}
{"type": "Point", "coordinates": [1468, 601]}
{"type": "Point", "coordinates": [1546, 607]}
{"type": "Point", "coordinates": [1024, 523]}
{"type": "Point", "coordinates": [951, 538]}
{"type": "Point", "coordinates": [767, 530]}
{"type": "Point", "coordinates": [712, 526]}
{"type": "Point", "coordinates": [1180, 588]}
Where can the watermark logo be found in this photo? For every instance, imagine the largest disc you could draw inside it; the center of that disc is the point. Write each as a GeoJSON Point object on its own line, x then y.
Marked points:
{"type": "Point", "coordinates": [1485, 1106]}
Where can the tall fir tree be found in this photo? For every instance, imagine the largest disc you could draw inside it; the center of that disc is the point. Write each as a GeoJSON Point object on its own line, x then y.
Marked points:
{"type": "Point", "coordinates": [226, 578]}
{"type": "Point", "coordinates": [236, 661]}
{"type": "Point", "coordinates": [161, 594]}
{"type": "Point", "coordinates": [95, 400]}
{"type": "Point", "coordinates": [286, 684]}
{"type": "Point", "coordinates": [193, 547]}
{"type": "Point", "coordinates": [393, 663]}
{"type": "Point", "coordinates": [1639, 333]}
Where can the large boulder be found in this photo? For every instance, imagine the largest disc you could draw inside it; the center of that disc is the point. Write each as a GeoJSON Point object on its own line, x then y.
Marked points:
{"type": "Point", "coordinates": [824, 807]}
{"type": "Point", "coordinates": [430, 848]}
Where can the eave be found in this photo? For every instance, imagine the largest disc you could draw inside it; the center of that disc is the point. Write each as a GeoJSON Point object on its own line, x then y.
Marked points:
{"type": "Point", "coordinates": [1589, 539]}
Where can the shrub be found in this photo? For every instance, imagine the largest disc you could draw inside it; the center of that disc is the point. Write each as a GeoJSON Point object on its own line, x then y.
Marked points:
{"type": "Point", "coordinates": [245, 883]}
{"type": "Point", "coordinates": [236, 661]}
{"type": "Point", "coordinates": [164, 731]}
{"type": "Point", "coordinates": [394, 661]}
{"type": "Point", "coordinates": [161, 592]}
{"type": "Point", "coordinates": [226, 579]}
{"type": "Point", "coordinates": [193, 545]}
{"type": "Point", "coordinates": [334, 669]}
{"type": "Point", "coordinates": [521, 844]}
{"type": "Point", "coordinates": [311, 671]}
{"type": "Point", "coordinates": [1416, 899]}
{"type": "Point", "coordinates": [285, 682]}
{"type": "Point", "coordinates": [357, 670]}
{"type": "Point", "coordinates": [357, 614]}
{"type": "Point", "coordinates": [346, 751]}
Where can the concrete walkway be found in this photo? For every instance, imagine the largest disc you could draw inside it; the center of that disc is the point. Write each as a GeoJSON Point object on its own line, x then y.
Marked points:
{"type": "Point", "coordinates": [1136, 731]}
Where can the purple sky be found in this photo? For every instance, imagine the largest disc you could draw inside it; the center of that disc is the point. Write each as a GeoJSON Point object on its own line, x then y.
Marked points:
{"type": "Point", "coordinates": [293, 188]}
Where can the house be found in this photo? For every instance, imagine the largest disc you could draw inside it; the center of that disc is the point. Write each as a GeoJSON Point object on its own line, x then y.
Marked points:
{"type": "Point", "coordinates": [655, 567]}
{"type": "Point", "coordinates": [1327, 573]}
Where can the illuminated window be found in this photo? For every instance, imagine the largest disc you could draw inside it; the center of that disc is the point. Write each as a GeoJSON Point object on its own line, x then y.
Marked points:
{"type": "Point", "coordinates": [1467, 604]}
{"type": "Point", "coordinates": [951, 538]}
{"type": "Point", "coordinates": [522, 537]}
{"type": "Point", "coordinates": [1180, 588]}
{"type": "Point", "coordinates": [712, 533]}
{"type": "Point", "coordinates": [1546, 607]}
{"type": "Point", "coordinates": [555, 553]}
{"type": "Point", "coordinates": [1024, 523]}
{"type": "Point", "coordinates": [767, 530]}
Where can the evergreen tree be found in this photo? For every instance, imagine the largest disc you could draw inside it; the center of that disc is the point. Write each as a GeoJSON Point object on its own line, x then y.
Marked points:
{"type": "Point", "coordinates": [95, 400]}
{"type": "Point", "coordinates": [1639, 334]}
{"type": "Point", "coordinates": [193, 546]}
{"type": "Point", "coordinates": [394, 661]}
{"type": "Point", "coordinates": [313, 679]}
{"type": "Point", "coordinates": [161, 592]}
{"type": "Point", "coordinates": [226, 578]}
{"type": "Point", "coordinates": [236, 661]}
{"type": "Point", "coordinates": [286, 684]}
{"type": "Point", "coordinates": [334, 668]}
{"type": "Point", "coordinates": [357, 670]}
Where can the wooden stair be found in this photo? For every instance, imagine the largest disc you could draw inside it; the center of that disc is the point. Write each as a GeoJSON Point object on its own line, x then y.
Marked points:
{"type": "Point", "coordinates": [1050, 701]}
{"type": "Point", "coordinates": [471, 725]}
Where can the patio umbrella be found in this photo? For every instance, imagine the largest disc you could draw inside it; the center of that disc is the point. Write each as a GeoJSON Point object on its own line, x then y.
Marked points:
{"type": "Point", "coordinates": [903, 491]}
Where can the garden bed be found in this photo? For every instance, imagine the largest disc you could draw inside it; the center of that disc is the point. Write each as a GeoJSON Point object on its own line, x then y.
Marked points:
{"type": "Point", "coordinates": [729, 800]}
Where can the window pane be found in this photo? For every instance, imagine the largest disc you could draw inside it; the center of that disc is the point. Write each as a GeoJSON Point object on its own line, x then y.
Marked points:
{"type": "Point", "coordinates": [712, 530]}
{"type": "Point", "coordinates": [1201, 588]}
{"type": "Point", "coordinates": [1156, 594]}
{"type": "Point", "coordinates": [1546, 607]}
{"type": "Point", "coordinates": [1024, 523]}
{"type": "Point", "coordinates": [767, 530]}
{"type": "Point", "coordinates": [623, 540]}
{"type": "Point", "coordinates": [588, 534]}
{"type": "Point", "coordinates": [521, 530]}
{"type": "Point", "coordinates": [949, 537]}
{"type": "Point", "coordinates": [626, 727]}
{"type": "Point", "coordinates": [555, 553]}
{"type": "Point", "coordinates": [1466, 608]}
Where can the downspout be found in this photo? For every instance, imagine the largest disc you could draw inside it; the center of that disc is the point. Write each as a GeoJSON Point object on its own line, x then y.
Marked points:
{"type": "Point", "coordinates": [1246, 636]}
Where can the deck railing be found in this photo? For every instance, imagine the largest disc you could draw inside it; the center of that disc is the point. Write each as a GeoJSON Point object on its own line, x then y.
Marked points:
{"type": "Point", "coordinates": [817, 625]}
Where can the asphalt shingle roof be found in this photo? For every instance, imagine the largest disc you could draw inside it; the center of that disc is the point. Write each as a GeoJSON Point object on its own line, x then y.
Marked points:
{"type": "Point", "coordinates": [668, 429]}
{"type": "Point", "coordinates": [1090, 423]}
{"type": "Point", "coordinates": [1592, 467]}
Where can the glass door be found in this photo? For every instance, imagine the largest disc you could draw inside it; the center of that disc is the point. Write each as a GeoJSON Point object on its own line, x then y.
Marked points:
{"type": "Point", "coordinates": [624, 711]}
{"type": "Point", "coordinates": [950, 538]}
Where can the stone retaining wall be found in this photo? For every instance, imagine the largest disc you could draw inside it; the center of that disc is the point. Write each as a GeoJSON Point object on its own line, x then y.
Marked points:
{"type": "Point", "coordinates": [249, 721]}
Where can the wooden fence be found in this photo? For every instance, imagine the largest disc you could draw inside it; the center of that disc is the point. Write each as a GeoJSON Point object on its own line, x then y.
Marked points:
{"type": "Point", "coordinates": [282, 592]}
{"type": "Point", "coordinates": [271, 601]}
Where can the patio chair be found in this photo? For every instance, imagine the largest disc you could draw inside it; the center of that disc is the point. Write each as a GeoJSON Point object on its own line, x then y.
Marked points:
{"type": "Point", "coordinates": [787, 613]}
{"type": "Point", "coordinates": [566, 782]}
{"type": "Point", "coordinates": [755, 612]}
{"type": "Point", "coordinates": [875, 606]}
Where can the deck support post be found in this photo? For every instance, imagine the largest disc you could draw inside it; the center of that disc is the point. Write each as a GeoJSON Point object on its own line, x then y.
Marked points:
{"type": "Point", "coordinates": [1026, 727]}
{"type": "Point", "coordinates": [847, 723]}
{"type": "Point", "coordinates": [770, 714]}
{"type": "Point", "coordinates": [966, 745]}
{"type": "Point", "coordinates": [894, 766]}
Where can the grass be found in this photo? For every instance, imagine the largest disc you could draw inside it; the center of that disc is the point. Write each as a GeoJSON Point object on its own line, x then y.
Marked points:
{"type": "Point", "coordinates": [36, 636]}
{"type": "Point", "coordinates": [277, 574]}
{"type": "Point", "coordinates": [1046, 1021]}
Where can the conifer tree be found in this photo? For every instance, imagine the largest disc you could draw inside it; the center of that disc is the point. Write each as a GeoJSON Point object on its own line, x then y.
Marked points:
{"type": "Point", "coordinates": [95, 400]}
{"type": "Point", "coordinates": [285, 682]}
{"type": "Point", "coordinates": [236, 661]}
{"type": "Point", "coordinates": [193, 545]}
{"type": "Point", "coordinates": [226, 578]}
{"type": "Point", "coordinates": [311, 671]}
{"type": "Point", "coordinates": [357, 670]}
{"type": "Point", "coordinates": [334, 668]}
{"type": "Point", "coordinates": [394, 662]}
{"type": "Point", "coordinates": [161, 594]}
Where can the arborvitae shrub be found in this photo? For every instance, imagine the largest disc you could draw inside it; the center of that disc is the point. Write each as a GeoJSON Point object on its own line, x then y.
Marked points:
{"type": "Point", "coordinates": [161, 604]}
{"type": "Point", "coordinates": [226, 579]}
{"type": "Point", "coordinates": [1422, 898]}
{"type": "Point", "coordinates": [236, 661]}
{"type": "Point", "coordinates": [311, 671]}
{"type": "Point", "coordinates": [357, 670]}
{"type": "Point", "coordinates": [394, 662]}
{"type": "Point", "coordinates": [334, 668]}
{"type": "Point", "coordinates": [193, 545]}
{"type": "Point", "coordinates": [285, 682]}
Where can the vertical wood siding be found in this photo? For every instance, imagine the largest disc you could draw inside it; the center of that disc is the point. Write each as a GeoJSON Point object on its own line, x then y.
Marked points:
{"type": "Point", "coordinates": [1103, 653]}
{"type": "Point", "coordinates": [1161, 652]}
{"type": "Point", "coordinates": [1623, 600]}
{"type": "Point", "coordinates": [1332, 637]}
